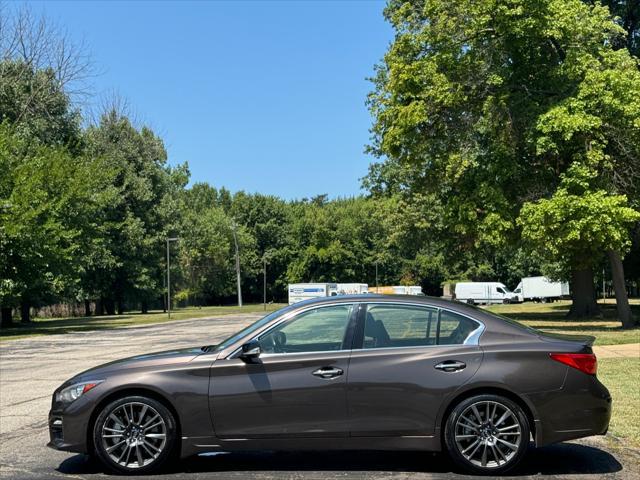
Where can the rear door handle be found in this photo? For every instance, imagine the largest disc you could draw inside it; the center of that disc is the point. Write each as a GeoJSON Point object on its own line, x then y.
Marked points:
{"type": "Point", "coordinates": [327, 372]}
{"type": "Point", "coordinates": [451, 366]}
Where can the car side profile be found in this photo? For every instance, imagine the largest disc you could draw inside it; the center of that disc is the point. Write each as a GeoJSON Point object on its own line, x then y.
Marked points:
{"type": "Point", "coordinates": [343, 373]}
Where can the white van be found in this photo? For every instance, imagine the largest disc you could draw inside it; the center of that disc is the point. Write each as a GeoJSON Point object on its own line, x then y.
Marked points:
{"type": "Point", "coordinates": [304, 291]}
{"type": "Point", "coordinates": [352, 288]}
{"type": "Point", "coordinates": [483, 292]}
{"type": "Point", "coordinates": [540, 289]}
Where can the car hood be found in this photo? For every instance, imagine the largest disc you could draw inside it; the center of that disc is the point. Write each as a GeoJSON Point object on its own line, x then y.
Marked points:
{"type": "Point", "coordinates": [168, 357]}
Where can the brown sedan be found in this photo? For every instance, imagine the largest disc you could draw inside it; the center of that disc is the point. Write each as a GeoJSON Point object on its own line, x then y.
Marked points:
{"type": "Point", "coordinates": [353, 372]}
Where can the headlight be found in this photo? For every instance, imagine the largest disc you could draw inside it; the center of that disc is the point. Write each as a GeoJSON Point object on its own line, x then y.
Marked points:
{"type": "Point", "coordinates": [73, 392]}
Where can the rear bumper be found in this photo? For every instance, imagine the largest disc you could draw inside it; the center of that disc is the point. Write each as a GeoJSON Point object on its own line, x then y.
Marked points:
{"type": "Point", "coordinates": [582, 408]}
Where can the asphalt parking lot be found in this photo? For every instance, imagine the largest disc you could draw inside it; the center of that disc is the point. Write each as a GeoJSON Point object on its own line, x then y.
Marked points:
{"type": "Point", "coordinates": [30, 369]}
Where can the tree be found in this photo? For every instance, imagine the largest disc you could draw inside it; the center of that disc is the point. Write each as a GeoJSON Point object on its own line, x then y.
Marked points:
{"type": "Point", "coordinates": [43, 46]}
{"type": "Point", "coordinates": [469, 102]}
{"type": "Point", "coordinates": [49, 199]}
{"type": "Point", "coordinates": [136, 225]}
{"type": "Point", "coordinates": [576, 227]}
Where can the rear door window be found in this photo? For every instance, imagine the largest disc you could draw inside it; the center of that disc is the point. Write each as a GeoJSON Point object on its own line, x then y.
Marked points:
{"type": "Point", "coordinates": [455, 329]}
{"type": "Point", "coordinates": [393, 326]}
{"type": "Point", "coordinates": [399, 326]}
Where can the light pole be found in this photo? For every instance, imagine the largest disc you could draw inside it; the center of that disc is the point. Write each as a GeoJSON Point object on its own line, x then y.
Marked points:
{"type": "Point", "coordinates": [169, 239]}
{"type": "Point", "coordinates": [235, 241]}
{"type": "Point", "coordinates": [264, 281]}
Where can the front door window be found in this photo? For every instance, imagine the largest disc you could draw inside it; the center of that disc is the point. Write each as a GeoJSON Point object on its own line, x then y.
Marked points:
{"type": "Point", "coordinates": [318, 330]}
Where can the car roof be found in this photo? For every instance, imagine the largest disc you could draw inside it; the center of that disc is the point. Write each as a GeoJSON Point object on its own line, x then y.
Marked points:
{"type": "Point", "coordinates": [368, 297]}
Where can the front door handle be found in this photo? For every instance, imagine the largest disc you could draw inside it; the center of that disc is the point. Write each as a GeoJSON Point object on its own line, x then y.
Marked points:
{"type": "Point", "coordinates": [451, 366]}
{"type": "Point", "coordinates": [327, 372]}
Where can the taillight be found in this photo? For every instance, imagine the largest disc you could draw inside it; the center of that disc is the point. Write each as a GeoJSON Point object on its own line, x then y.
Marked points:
{"type": "Point", "coordinates": [585, 362]}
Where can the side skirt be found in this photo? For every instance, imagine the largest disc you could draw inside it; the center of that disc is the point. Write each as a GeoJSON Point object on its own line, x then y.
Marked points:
{"type": "Point", "coordinates": [194, 445]}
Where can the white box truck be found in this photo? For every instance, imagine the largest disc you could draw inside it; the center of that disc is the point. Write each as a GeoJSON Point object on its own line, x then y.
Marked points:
{"type": "Point", "coordinates": [483, 292]}
{"type": "Point", "coordinates": [540, 289]}
{"type": "Point", "coordinates": [305, 291]}
{"type": "Point", "coordinates": [352, 288]}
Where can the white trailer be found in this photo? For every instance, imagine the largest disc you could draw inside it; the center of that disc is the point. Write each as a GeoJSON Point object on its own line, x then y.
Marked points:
{"type": "Point", "coordinates": [483, 292]}
{"type": "Point", "coordinates": [352, 288]}
{"type": "Point", "coordinates": [540, 289]}
{"type": "Point", "coordinates": [414, 290]}
{"type": "Point", "coordinates": [305, 291]}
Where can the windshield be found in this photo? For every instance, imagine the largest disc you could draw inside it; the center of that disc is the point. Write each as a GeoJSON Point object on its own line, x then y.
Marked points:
{"type": "Point", "coordinates": [247, 330]}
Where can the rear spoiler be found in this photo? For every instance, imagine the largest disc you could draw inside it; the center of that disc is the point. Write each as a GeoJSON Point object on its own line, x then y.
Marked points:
{"type": "Point", "coordinates": [586, 340]}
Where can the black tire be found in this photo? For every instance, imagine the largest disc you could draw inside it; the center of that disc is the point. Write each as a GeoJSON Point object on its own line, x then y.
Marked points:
{"type": "Point", "coordinates": [506, 301]}
{"type": "Point", "coordinates": [457, 428]}
{"type": "Point", "coordinates": [163, 429]}
{"type": "Point", "coordinates": [470, 301]}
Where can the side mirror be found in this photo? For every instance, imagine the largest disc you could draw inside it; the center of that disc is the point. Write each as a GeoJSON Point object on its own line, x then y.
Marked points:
{"type": "Point", "coordinates": [251, 350]}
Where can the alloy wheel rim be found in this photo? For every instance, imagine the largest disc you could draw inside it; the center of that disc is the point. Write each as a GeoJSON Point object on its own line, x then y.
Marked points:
{"type": "Point", "coordinates": [134, 435]}
{"type": "Point", "coordinates": [488, 434]}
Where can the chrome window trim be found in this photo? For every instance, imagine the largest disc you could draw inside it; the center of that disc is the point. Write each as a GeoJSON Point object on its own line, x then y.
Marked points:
{"type": "Point", "coordinates": [286, 317]}
{"type": "Point", "coordinates": [472, 340]}
{"type": "Point", "coordinates": [269, 355]}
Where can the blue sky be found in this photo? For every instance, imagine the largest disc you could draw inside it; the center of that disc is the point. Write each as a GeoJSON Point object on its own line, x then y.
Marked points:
{"type": "Point", "coordinates": [257, 96]}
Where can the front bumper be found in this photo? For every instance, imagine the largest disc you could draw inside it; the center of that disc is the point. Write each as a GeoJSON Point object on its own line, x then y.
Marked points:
{"type": "Point", "coordinates": [68, 424]}
{"type": "Point", "coordinates": [65, 434]}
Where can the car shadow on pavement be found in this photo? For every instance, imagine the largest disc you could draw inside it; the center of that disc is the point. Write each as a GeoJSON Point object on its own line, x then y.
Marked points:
{"type": "Point", "coordinates": [562, 459]}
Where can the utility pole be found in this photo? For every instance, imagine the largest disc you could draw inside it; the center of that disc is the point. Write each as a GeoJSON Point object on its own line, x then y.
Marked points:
{"type": "Point", "coordinates": [376, 276]}
{"type": "Point", "coordinates": [235, 241]}
{"type": "Point", "coordinates": [169, 277]}
{"type": "Point", "coordinates": [264, 281]}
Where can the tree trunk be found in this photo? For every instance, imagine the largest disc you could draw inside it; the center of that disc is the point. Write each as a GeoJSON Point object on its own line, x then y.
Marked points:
{"type": "Point", "coordinates": [144, 307]}
{"type": "Point", "coordinates": [100, 306]}
{"type": "Point", "coordinates": [583, 295]}
{"type": "Point", "coordinates": [25, 311]}
{"type": "Point", "coordinates": [622, 300]}
{"type": "Point", "coordinates": [120, 307]}
{"type": "Point", "coordinates": [5, 319]}
{"type": "Point", "coordinates": [87, 308]}
{"type": "Point", "coordinates": [110, 306]}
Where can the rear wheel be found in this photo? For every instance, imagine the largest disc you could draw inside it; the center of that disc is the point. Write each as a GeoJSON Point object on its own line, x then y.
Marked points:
{"type": "Point", "coordinates": [134, 434]}
{"type": "Point", "coordinates": [487, 434]}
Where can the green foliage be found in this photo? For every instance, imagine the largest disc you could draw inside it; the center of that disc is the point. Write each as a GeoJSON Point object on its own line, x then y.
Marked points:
{"type": "Point", "coordinates": [578, 224]}
{"type": "Point", "coordinates": [34, 102]}
{"type": "Point", "coordinates": [135, 224]}
{"type": "Point", "coordinates": [509, 139]}
{"type": "Point", "coordinates": [481, 106]}
{"type": "Point", "coordinates": [49, 199]}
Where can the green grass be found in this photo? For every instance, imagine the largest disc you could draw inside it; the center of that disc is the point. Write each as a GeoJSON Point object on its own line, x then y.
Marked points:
{"type": "Point", "coordinates": [55, 326]}
{"type": "Point", "coordinates": [551, 317]}
{"type": "Point", "coordinates": [622, 377]}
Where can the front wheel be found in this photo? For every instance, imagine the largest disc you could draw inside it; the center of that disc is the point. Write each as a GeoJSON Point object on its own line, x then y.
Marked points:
{"type": "Point", "coordinates": [487, 434]}
{"type": "Point", "coordinates": [134, 434]}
